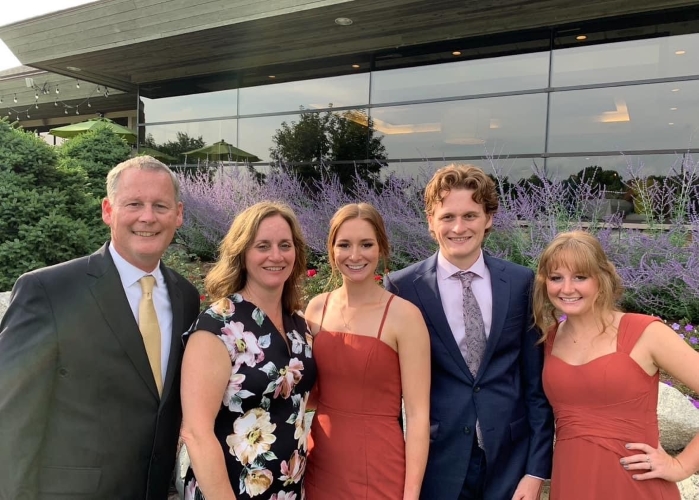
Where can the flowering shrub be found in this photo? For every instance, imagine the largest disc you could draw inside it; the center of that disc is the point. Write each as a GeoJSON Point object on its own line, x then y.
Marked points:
{"type": "Point", "coordinates": [657, 265]}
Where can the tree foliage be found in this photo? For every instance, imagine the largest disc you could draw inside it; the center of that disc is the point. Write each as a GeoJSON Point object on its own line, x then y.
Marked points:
{"type": "Point", "coordinates": [177, 148]}
{"type": "Point", "coordinates": [96, 152]}
{"type": "Point", "coordinates": [46, 215]}
{"type": "Point", "coordinates": [310, 147]}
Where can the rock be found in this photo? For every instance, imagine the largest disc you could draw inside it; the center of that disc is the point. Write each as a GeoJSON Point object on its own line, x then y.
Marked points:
{"type": "Point", "coordinates": [678, 419]}
{"type": "Point", "coordinates": [4, 302]}
{"type": "Point", "coordinates": [688, 488]}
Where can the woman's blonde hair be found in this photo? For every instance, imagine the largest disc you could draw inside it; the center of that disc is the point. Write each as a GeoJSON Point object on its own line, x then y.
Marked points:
{"type": "Point", "coordinates": [229, 274]}
{"type": "Point", "coordinates": [579, 252]}
{"type": "Point", "coordinates": [366, 212]}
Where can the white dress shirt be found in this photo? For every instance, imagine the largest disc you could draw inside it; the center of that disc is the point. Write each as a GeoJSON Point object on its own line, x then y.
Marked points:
{"type": "Point", "coordinates": [130, 275]}
{"type": "Point", "coordinates": [451, 293]}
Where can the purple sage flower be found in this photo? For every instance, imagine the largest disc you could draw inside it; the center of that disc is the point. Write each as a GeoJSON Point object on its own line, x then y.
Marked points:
{"type": "Point", "coordinates": [563, 317]}
{"type": "Point", "coordinates": [695, 402]}
{"type": "Point", "coordinates": [688, 328]}
{"type": "Point", "coordinates": [682, 336]}
{"type": "Point", "coordinates": [694, 341]}
{"type": "Point", "coordinates": [675, 326]}
{"type": "Point", "coordinates": [668, 382]}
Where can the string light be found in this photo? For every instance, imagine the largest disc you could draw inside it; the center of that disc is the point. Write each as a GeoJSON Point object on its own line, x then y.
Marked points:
{"type": "Point", "coordinates": [36, 106]}
{"type": "Point", "coordinates": [0, 99]}
{"type": "Point", "coordinates": [15, 98]}
{"type": "Point", "coordinates": [55, 103]}
{"type": "Point", "coordinates": [77, 84]}
{"type": "Point", "coordinates": [77, 111]}
{"type": "Point", "coordinates": [57, 91]}
{"type": "Point", "coordinates": [88, 103]}
{"type": "Point", "coordinates": [36, 96]}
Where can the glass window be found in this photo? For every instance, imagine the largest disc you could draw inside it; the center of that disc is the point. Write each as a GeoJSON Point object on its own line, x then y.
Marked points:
{"type": "Point", "coordinates": [477, 127]}
{"type": "Point", "coordinates": [626, 61]}
{"type": "Point", "coordinates": [479, 76]}
{"type": "Point", "coordinates": [349, 90]}
{"type": "Point", "coordinates": [187, 107]}
{"type": "Point", "coordinates": [255, 134]}
{"type": "Point", "coordinates": [637, 117]}
{"type": "Point", "coordinates": [209, 131]}
{"type": "Point", "coordinates": [626, 166]}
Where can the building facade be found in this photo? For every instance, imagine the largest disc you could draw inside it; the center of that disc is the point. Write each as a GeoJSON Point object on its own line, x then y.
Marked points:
{"type": "Point", "coordinates": [548, 87]}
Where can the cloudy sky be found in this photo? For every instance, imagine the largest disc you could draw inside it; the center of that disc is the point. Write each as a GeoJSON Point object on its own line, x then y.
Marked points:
{"type": "Point", "coordinates": [16, 11]}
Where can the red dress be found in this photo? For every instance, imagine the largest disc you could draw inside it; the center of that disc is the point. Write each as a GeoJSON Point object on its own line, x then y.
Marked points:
{"type": "Point", "coordinates": [599, 407]}
{"type": "Point", "coordinates": [356, 447]}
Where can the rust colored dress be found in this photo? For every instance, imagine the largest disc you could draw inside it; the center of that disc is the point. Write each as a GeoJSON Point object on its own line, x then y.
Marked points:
{"type": "Point", "coordinates": [599, 407]}
{"type": "Point", "coordinates": [356, 447]}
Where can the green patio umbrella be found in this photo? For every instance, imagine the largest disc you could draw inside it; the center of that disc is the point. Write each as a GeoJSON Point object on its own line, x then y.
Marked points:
{"type": "Point", "coordinates": [74, 129]}
{"type": "Point", "coordinates": [158, 155]}
{"type": "Point", "coordinates": [222, 151]}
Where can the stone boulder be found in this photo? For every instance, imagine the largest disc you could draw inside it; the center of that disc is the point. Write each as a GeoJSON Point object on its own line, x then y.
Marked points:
{"type": "Point", "coordinates": [4, 302]}
{"type": "Point", "coordinates": [678, 419]}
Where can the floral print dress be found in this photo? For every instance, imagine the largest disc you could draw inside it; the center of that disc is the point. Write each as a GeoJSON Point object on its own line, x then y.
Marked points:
{"type": "Point", "coordinates": [261, 425]}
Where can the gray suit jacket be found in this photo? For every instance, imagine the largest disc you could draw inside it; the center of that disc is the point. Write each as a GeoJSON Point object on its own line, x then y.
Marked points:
{"type": "Point", "coordinates": [80, 415]}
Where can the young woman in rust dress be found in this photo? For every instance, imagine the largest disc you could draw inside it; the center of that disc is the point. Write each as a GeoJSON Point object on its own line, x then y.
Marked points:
{"type": "Point", "coordinates": [371, 349]}
{"type": "Point", "coordinates": [601, 378]}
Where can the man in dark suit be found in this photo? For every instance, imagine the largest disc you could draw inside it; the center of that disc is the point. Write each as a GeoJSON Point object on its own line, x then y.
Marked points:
{"type": "Point", "coordinates": [90, 357]}
{"type": "Point", "coordinates": [491, 427]}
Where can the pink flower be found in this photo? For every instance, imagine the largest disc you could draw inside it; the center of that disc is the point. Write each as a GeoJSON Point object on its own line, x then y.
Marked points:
{"type": "Point", "coordinates": [311, 272]}
{"type": "Point", "coordinates": [283, 495]}
{"type": "Point", "coordinates": [289, 376]}
{"type": "Point", "coordinates": [292, 472]}
{"type": "Point", "coordinates": [242, 345]}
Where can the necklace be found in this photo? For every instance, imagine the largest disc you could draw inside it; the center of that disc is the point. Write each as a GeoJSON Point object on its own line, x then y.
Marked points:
{"type": "Point", "coordinates": [347, 322]}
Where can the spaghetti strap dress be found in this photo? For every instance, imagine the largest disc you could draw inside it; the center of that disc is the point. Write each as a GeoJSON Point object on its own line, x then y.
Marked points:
{"type": "Point", "coordinates": [356, 447]}
{"type": "Point", "coordinates": [599, 407]}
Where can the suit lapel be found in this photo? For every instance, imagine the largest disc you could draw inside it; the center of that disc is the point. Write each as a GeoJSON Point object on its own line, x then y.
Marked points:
{"type": "Point", "coordinates": [110, 297]}
{"type": "Point", "coordinates": [177, 306]}
{"type": "Point", "coordinates": [428, 293]}
{"type": "Point", "coordinates": [501, 302]}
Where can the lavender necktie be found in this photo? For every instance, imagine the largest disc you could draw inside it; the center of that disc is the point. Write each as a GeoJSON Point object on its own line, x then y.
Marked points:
{"type": "Point", "coordinates": [472, 344]}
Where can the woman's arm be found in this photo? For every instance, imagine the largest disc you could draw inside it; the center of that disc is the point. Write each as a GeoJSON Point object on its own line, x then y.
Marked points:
{"type": "Point", "coordinates": [414, 357]}
{"type": "Point", "coordinates": [312, 315]}
{"type": "Point", "coordinates": [206, 369]}
{"type": "Point", "coordinates": [672, 354]}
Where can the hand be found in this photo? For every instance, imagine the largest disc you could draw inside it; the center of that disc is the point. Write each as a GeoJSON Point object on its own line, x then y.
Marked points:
{"type": "Point", "coordinates": [529, 488]}
{"type": "Point", "coordinates": [653, 463]}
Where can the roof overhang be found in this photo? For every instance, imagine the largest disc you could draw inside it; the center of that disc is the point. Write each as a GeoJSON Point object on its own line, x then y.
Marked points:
{"type": "Point", "coordinates": [130, 43]}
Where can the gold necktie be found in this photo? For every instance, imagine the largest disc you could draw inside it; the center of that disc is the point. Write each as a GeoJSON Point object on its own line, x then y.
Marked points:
{"type": "Point", "coordinates": [150, 330]}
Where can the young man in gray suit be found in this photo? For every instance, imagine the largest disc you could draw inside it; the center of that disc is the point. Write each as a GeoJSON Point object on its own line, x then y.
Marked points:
{"type": "Point", "coordinates": [90, 355]}
{"type": "Point", "coordinates": [491, 427]}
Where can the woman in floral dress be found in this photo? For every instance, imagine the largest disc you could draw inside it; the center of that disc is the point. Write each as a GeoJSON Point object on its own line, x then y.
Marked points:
{"type": "Point", "coordinates": [248, 368]}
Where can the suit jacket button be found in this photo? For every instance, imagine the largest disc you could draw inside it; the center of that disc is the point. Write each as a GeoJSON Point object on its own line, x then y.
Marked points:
{"type": "Point", "coordinates": [62, 372]}
{"type": "Point", "coordinates": [477, 388]}
{"type": "Point", "coordinates": [467, 430]}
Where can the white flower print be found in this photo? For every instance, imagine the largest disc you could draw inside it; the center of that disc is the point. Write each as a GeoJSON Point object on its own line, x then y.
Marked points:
{"type": "Point", "coordinates": [234, 395]}
{"type": "Point", "coordinates": [253, 435]}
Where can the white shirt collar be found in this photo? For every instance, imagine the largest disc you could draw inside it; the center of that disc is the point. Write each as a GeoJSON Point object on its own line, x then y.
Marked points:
{"type": "Point", "coordinates": [129, 273]}
{"type": "Point", "coordinates": [446, 269]}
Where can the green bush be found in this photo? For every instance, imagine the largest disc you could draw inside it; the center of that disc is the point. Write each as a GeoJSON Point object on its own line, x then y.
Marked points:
{"type": "Point", "coordinates": [95, 152]}
{"type": "Point", "coordinates": [46, 215]}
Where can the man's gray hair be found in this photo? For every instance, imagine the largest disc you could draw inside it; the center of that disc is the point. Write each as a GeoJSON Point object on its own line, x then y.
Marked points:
{"type": "Point", "coordinates": [140, 163]}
